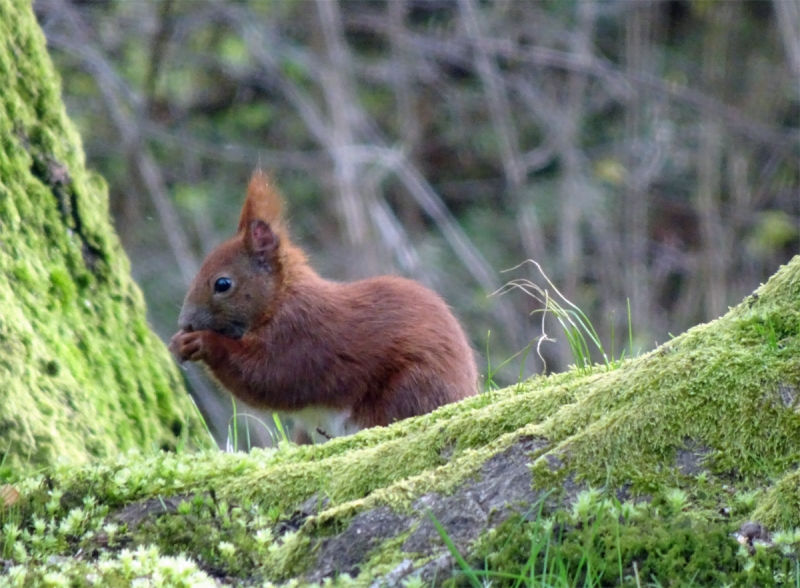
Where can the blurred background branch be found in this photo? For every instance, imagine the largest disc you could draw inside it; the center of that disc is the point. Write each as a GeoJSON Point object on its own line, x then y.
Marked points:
{"type": "Point", "coordinates": [639, 150]}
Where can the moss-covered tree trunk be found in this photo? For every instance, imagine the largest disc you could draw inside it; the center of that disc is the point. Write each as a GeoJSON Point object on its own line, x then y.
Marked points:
{"type": "Point", "coordinates": [81, 374]}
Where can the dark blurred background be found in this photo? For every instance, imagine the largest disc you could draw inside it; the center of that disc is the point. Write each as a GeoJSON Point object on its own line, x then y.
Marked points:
{"type": "Point", "coordinates": [645, 152]}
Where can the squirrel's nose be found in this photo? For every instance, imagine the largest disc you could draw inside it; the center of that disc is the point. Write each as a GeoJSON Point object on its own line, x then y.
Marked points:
{"type": "Point", "coordinates": [194, 318]}
{"type": "Point", "coordinates": [185, 325]}
{"type": "Point", "coordinates": [185, 320]}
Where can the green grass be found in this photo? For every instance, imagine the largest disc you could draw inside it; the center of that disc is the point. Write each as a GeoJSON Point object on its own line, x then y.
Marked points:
{"type": "Point", "coordinates": [491, 372]}
{"type": "Point", "coordinates": [579, 331]}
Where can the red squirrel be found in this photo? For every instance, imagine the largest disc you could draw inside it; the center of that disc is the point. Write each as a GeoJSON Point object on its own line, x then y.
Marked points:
{"type": "Point", "coordinates": [337, 357]}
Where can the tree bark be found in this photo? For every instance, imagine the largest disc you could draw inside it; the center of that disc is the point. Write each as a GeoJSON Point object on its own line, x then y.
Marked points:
{"type": "Point", "coordinates": [81, 374]}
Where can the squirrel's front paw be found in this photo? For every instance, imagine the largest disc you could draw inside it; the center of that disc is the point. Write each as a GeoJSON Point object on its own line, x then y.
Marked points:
{"type": "Point", "coordinates": [188, 346]}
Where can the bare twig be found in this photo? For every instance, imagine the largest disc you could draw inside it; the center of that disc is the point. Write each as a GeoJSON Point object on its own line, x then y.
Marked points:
{"type": "Point", "coordinates": [158, 50]}
{"type": "Point", "coordinates": [79, 45]}
{"type": "Point", "coordinates": [514, 170]}
{"type": "Point", "coordinates": [787, 14]}
{"type": "Point", "coordinates": [711, 153]}
{"type": "Point", "coordinates": [408, 121]}
{"type": "Point", "coordinates": [336, 84]}
{"type": "Point", "coordinates": [636, 198]}
{"type": "Point", "coordinates": [619, 82]}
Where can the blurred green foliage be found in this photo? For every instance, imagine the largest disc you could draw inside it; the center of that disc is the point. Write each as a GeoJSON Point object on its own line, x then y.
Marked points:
{"type": "Point", "coordinates": [642, 151]}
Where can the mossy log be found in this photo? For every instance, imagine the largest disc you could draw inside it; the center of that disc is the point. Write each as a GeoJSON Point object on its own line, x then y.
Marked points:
{"type": "Point", "coordinates": [646, 468]}
{"type": "Point", "coordinates": [81, 374]}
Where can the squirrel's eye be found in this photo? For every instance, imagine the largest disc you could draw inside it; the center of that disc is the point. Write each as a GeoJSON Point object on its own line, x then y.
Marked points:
{"type": "Point", "coordinates": [222, 285]}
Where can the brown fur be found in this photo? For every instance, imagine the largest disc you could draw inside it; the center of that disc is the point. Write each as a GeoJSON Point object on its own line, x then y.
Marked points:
{"type": "Point", "coordinates": [282, 338]}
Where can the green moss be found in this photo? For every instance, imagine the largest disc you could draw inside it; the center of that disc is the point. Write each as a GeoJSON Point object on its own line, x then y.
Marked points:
{"type": "Point", "coordinates": [780, 508]}
{"type": "Point", "coordinates": [714, 411]}
{"type": "Point", "coordinates": [75, 347]}
{"type": "Point", "coordinates": [613, 544]}
{"type": "Point", "coordinates": [22, 274]}
{"type": "Point", "coordinates": [62, 288]}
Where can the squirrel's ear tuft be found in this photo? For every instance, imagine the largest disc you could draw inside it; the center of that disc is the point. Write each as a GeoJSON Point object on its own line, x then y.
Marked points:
{"type": "Point", "coordinates": [263, 202]}
{"type": "Point", "coordinates": [260, 240]}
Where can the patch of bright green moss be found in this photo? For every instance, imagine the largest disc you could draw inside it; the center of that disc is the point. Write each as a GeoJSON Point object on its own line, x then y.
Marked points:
{"type": "Point", "coordinates": [81, 375]}
{"type": "Point", "coordinates": [602, 542]}
{"type": "Point", "coordinates": [780, 508]}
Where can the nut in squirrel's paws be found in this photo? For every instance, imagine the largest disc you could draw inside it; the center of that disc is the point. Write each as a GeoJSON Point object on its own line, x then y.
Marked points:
{"type": "Point", "coordinates": [187, 346]}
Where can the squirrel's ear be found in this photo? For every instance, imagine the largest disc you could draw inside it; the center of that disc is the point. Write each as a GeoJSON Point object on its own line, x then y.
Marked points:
{"type": "Point", "coordinates": [260, 240]}
{"type": "Point", "coordinates": [263, 202]}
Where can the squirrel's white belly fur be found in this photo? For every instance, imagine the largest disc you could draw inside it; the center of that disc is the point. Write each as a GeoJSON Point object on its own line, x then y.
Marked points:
{"type": "Point", "coordinates": [323, 423]}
